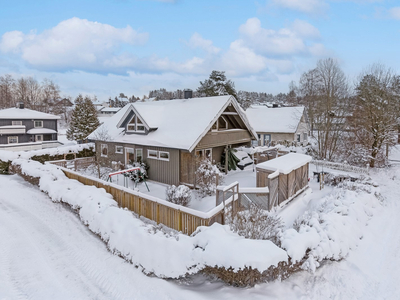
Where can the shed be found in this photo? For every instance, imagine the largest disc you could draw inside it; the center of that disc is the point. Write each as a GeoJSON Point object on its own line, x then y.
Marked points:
{"type": "Point", "coordinates": [284, 176]}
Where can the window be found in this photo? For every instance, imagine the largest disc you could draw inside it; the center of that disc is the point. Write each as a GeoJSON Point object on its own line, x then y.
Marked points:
{"type": "Point", "coordinates": [163, 155]}
{"type": "Point", "coordinates": [267, 139]}
{"type": "Point", "coordinates": [15, 123]}
{"type": "Point", "coordinates": [119, 149]}
{"type": "Point", "coordinates": [38, 123]}
{"type": "Point", "coordinates": [298, 137]}
{"type": "Point", "coordinates": [305, 137]}
{"type": "Point", "coordinates": [139, 155]}
{"type": "Point", "coordinates": [39, 138]}
{"type": "Point", "coordinates": [152, 154]}
{"type": "Point", "coordinates": [135, 125]}
{"type": "Point", "coordinates": [129, 156]}
{"type": "Point", "coordinates": [104, 150]}
{"type": "Point", "coordinates": [13, 140]}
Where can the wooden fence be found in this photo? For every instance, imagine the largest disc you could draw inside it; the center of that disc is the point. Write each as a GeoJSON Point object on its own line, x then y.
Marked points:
{"type": "Point", "coordinates": [171, 215]}
{"type": "Point", "coordinates": [340, 166]}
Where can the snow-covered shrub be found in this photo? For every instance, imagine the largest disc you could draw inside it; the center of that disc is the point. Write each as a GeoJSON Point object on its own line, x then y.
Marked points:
{"type": "Point", "coordinates": [258, 224]}
{"type": "Point", "coordinates": [206, 176]}
{"type": "Point", "coordinates": [179, 194]}
{"type": "Point", "coordinates": [140, 175]}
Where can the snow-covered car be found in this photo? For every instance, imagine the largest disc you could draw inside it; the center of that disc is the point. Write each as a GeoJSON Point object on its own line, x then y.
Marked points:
{"type": "Point", "coordinates": [244, 159]}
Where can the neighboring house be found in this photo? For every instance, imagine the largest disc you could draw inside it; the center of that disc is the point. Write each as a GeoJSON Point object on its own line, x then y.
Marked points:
{"type": "Point", "coordinates": [278, 124]}
{"type": "Point", "coordinates": [173, 135]}
{"type": "Point", "coordinates": [26, 129]}
{"type": "Point", "coordinates": [107, 111]}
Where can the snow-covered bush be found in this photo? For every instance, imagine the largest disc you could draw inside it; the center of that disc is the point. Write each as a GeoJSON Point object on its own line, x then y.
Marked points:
{"type": "Point", "coordinates": [179, 194]}
{"type": "Point", "coordinates": [206, 175]}
{"type": "Point", "coordinates": [258, 224]}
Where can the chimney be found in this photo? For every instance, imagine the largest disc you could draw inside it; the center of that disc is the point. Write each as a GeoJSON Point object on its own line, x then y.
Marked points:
{"type": "Point", "coordinates": [20, 105]}
{"type": "Point", "coordinates": [187, 94]}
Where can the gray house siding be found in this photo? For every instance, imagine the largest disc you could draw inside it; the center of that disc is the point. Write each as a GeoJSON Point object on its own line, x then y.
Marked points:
{"type": "Point", "coordinates": [159, 170]}
{"type": "Point", "coordinates": [29, 124]}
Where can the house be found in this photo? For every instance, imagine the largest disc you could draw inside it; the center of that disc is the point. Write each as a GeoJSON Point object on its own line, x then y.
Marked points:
{"type": "Point", "coordinates": [173, 135]}
{"type": "Point", "coordinates": [278, 124]}
{"type": "Point", "coordinates": [26, 129]}
{"type": "Point", "coordinates": [107, 111]}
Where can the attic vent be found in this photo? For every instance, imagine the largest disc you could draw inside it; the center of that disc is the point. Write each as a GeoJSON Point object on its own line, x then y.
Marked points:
{"type": "Point", "coordinates": [188, 93]}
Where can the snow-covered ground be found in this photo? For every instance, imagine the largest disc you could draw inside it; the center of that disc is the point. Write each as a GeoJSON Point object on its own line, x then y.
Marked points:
{"type": "Point", "coordinates": [46, 253]}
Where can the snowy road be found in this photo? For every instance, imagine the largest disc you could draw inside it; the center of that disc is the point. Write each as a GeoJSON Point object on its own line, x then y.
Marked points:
{"type": "Point", "coordinates": [46, 253]}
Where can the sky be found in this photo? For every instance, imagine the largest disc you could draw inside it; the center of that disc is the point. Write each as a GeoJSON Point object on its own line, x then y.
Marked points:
{"type": "Point", "coordinates": [107, 47]}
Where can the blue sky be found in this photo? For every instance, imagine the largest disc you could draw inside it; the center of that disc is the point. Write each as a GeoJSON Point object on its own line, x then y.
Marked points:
{"type": "Point", "coordinates": [132, 46]}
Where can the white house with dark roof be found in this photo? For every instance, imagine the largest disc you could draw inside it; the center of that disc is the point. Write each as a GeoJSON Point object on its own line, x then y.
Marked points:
{"type": "Point", "coordinates": [171, 135]}
{"type": "Point", "coordinates": [278, 124]}
{"type": "Point", "coordinates": [25, 129]}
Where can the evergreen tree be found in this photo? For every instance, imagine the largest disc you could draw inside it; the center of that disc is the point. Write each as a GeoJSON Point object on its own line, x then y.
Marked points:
{"type": "Point", "coordinates": [83, 120]}
{"type": "Point", "coordinates": [216, 85]}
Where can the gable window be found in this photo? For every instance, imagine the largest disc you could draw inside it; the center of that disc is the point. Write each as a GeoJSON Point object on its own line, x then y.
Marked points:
{"type": "Point", "coordinates": [163, 155]}
{"type": "Point", "coordinates": [135, 125]}
{"type": "Point", "coordinates": [119, 149]}
{"type": "Point", "coordinates": [16, 123]}
{"type": "Point", "coordinates": [152, 154]}
{"type": "Point", "coordinates": [139, 155]}
{"type": "Point", "coordinates": [104, 150]}
{"type": "Point", "coordinates": [38, 124]}
{"type": "Point", "coordinates": [13, 139]}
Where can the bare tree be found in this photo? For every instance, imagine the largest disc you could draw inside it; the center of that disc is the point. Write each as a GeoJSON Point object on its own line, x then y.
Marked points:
{"type": "Point", "coordinates": [21, 90]}
{"type": "Point", "coordinates": [51, 94]}
{"type": "Point", "coordinates": [376, 112]}
{"type": "Point", "coordinates": [7, 86]}
{"type": "Point", "coordinates": [34, 93]}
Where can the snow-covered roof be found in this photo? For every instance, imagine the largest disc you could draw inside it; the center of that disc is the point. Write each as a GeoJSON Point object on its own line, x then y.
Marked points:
{"type": "Point", "coordinates": [286, 163]}
{"type": "Point", "coordinates": [110, 109]}
{"type": "Point", "coordinates": [17, 113]}
{"type": "Point", "coordinates": [179, 123]}
{"type": "Point", "coordinates": [40, 131]}
{"type": "Point", "coordinates": [278, 120]}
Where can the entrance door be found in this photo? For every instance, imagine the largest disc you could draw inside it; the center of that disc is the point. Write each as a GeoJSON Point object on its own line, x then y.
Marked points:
{"type": "Point", "coordinates": [129, 156]}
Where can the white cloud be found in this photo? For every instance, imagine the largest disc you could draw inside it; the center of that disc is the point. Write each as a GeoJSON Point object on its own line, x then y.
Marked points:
{"type": "Point", "coordinates": [394, 13]}
{"type": "Point", "coordinates": [305, 6]}
{"type": "Point", "coordinates": [73, 43]}
{"type": "Point", "coordinates": [197, 41]}
{"type": "Point", "coordinates": [305, 29]}
{"type": "Point", "coordinates": [282, 42]}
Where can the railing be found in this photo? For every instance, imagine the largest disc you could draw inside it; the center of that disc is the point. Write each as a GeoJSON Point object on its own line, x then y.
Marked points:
{"type": "Point", "coordinates": [341, 167]}
{"type": "Point", "coordinates": [161, 211]}
{"type": "Point", "coordinates": [75, 164]}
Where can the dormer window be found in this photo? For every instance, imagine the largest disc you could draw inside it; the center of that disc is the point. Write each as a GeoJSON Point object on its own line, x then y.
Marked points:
{"type": "Point", "coordinates": [135, 125]}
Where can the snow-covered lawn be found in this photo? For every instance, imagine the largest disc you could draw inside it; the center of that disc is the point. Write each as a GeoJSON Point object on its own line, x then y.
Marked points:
{"type": "Point", "coordinates": [46, 253]}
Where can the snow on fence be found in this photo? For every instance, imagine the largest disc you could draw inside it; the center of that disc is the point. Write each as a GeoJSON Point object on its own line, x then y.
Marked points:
{"type": "Point", "coordinates": [75, 164]}
{"type": "Point", "coordinates": [161, 211]}
{"type": "Point", "coordinates": [341, 167]}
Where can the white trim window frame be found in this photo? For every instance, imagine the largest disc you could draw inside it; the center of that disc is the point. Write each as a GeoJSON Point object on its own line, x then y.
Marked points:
{"type": "Point", "coordinates": [38, 126]}
{"type": "Point", "coordinates": [154, 154]}
{"type": "Point", "coordinates": [298, 137]}
{"type": "Point", "coordinates": [119, 149]}
{"type": "Point", "coordinates": [15, 138]}
{"type": "Point", "coordinates": [139, 150]}
{"type": "Point", "coordinates": [127, 152]}
{"type": "Point", "coordinates": [104, 150]}
{"type": "Point", "coordinates": [133, 127]}
{"type": "Point", "coordinates": [39, 138]}
{"type": "Point", "coordinates": [16, 123]}
{"type": "Point", "coordinates": [305, 137]}
{"type": "Point", "coordinates": [165, 155]}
